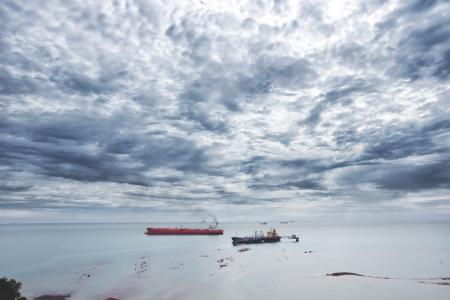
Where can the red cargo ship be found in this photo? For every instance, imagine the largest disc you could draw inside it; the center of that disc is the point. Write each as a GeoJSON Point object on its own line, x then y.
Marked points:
{"type": "Point", "coordinates": [183, 231]}
{"type": "Point", "coordinates": [211, 230]}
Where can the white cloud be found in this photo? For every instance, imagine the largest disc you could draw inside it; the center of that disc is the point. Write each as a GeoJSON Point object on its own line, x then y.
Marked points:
{"type": "Point", "coordinates": [222, 104]}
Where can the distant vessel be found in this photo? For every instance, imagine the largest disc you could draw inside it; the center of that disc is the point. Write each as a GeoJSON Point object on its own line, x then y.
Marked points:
{"type": "Point", "coordinates": [271, 237]}
{"type": "Point", "coordinates": [211, 230]}
{"type": "Point", "coordinates": [263, 223]}
{"type": "Point", "coordinates": [284, 222]}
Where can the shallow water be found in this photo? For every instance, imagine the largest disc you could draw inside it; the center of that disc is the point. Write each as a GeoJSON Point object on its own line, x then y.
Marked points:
{"type": "Point", "coordinates": [96, 261]}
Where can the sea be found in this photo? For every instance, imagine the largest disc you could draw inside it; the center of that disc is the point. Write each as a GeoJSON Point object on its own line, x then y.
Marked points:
{"type": "Point", "coordinates": [398, 260]}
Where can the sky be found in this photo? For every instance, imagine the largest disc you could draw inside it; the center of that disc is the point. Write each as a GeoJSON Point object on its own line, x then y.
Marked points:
{"type": "Point", "coordinates": [134, 110]}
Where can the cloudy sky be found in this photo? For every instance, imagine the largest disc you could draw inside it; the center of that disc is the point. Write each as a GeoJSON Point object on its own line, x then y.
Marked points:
{"type": "Point", "coordinates": [138, 110]}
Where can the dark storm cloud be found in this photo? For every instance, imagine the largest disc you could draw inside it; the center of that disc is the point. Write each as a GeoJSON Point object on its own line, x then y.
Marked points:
{"type": "Point", "coordinates": [422, 49]}
{"type": "Point", "coordinates": [352, 53]}
{"type": "Point", "coordinates": [301, 166]}
{"type": "Point", "coordinates": [167, 196]}
{"type": "Point", "coordinates": [75, 126]}
{"type": "Point", "coordinates": [10, 85]}
{"type": "Point", "coordinates": [197, 114]}
{"type": "Point", "coordinates": [306, 184]}
{"type": "Point", "coordinates": [371, 166]}
{"type": "Point", "coordinates": [341, 93]}
{"type": "Point", "coordinates": [410, 9]}
{"type": "Point", "coordinates": [279, 72]}
{"type": "Point", "coordinates": [442, 69]}
{"type": "Point", "coordinates": [298, 174]}
{"type": "Point", "coordinates": [59, 145]}
{"type": "Point", "coordinates": [383, 162]}
{"type": "Point", "coordinates": [424, 39]}
{"type": "Point", "coordinates": [6, 188]}
{"type": "Point", "coordinates": [420, 42]}
{"type": "Point", "coordinates": [420, 5]}
{"type": "Point", "coordinates": [399, 142]}
{"type": "Point", "coordinates": [401, 177]}
{"type": "Point", "coordinates": [436, 175]}
{"type": "Point", "coordinates": [213, 90]}
{"type": "Point", "coordinates": [83, 84]}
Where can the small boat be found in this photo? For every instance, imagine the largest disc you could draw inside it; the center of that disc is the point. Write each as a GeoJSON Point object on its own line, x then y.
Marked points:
{"type": "Point", "coordinates": [271, 237]}
{"type": "Point", "coordinates": [263, 223]}
{"type": "Point", "coordinates": [284, 222]}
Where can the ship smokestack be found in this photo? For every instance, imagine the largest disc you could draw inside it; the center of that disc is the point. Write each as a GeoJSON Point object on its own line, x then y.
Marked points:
{"type": "Point", "coordinates": [209, 214]}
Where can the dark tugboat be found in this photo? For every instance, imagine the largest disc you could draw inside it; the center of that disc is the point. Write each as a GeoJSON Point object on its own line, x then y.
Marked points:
{"type": "Point", "coordinates": [271, 237]}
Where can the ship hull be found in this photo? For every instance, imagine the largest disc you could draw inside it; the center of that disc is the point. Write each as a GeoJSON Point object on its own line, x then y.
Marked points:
{"type": "Point", "coordinates": [183, 231]}
{"type": "Point", "coordinates": [255, 240]}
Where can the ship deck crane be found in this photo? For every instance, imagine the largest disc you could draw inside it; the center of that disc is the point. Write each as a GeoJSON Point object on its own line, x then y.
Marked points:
{"type": "Point", "coordinates": [291, 237]}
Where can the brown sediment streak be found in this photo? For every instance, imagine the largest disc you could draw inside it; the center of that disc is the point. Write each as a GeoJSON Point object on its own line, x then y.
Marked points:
{"type": "Point", "coordinates": [430, 280]}
{"type": "Point", "coordinates": [52, 297]}
{"type": "Point", "coordinates": [438, 283]}
{"type": "Point", "coordinates": [345, 274]}
{"type": "Point", "coordinates": [360, 275]}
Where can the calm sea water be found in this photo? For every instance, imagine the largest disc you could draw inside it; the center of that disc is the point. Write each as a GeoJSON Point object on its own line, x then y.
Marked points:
{"type": "Point", "coordinates": [96, 261]}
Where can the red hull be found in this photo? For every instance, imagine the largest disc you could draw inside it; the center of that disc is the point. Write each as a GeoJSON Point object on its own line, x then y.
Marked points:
{"type": "Point", "coordinates": [183, 231]}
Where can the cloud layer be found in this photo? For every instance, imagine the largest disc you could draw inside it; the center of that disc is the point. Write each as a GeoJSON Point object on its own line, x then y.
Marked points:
{"type": "Point", "coordinates": [265, 106]}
